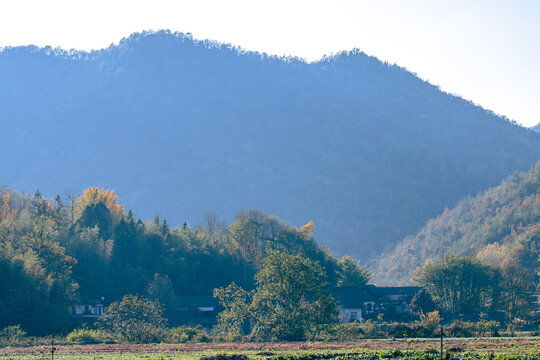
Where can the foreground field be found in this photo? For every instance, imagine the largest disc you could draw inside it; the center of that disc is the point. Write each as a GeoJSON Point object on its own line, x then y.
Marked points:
{"type": "Point", "coordinates": [457, 348]}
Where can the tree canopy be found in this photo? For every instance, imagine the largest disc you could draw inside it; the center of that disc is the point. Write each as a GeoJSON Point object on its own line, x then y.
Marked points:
{"type": "Point", "coordinates": [289, 302]}
{"type": "Point", "coordinates": [51, 259]}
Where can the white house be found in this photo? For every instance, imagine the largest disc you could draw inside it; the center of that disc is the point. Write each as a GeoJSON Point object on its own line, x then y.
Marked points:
{"type": "Point", "coordinates": [367, 301]}
{"type": "Point", "coordinates": [86, 308]}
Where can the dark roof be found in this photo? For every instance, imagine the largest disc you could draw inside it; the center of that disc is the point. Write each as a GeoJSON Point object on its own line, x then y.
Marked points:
{"type": "Point", "coordinates": [198, 301]}
{"type": "Point", "coordinates": [356, 296]}
{"type": "Point", "coordinates": [397, 290]}
{"type": "Point", "coordinates": [86, 301]}
{"type": "Point", "coordinates": [353, 296]}
{"type": "Point", "coordinates": [396, 294]}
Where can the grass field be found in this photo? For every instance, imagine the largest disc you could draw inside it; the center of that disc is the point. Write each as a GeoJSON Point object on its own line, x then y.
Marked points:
{"type": "Point", "coordinates": [458, 348]}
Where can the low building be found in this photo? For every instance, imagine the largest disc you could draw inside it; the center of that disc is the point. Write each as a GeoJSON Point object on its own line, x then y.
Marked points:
{"type": "Point", "coordinates": [368, 301]}
{"type": "Point", "coordinates": [197, 311]}
{"type": "Point", "coordinates": [356, 303]}
{"type": "Point", "coordinates": [87, 308]}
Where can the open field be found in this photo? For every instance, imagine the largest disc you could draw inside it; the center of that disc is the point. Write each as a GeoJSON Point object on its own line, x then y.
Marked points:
{"type": "Point", "coordinates": [520, 348]}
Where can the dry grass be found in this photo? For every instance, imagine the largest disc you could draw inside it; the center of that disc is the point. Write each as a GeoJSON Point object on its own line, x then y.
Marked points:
{"type": "Point", "coordinates": [497, 345]}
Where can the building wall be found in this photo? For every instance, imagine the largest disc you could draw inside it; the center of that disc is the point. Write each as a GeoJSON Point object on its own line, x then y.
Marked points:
{"type": "Point", "coordinates": [348, 315]}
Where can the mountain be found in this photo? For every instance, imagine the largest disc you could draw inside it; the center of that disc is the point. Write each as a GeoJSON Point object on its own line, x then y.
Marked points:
{"type": "Point", "coordinates": [366, 150]}
{"type": "Point", "coordinates": [536, 128]}
{"type": "Point", "coordinates": [501, 223]}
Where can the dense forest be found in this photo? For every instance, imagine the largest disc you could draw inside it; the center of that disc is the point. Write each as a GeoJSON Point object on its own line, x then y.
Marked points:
{"type": "Point", "coordinates": [499, 226]}
{"type": "Point", "coordinates": [54, 252]}
{"type": "Point", "coordinates": [365, 149]}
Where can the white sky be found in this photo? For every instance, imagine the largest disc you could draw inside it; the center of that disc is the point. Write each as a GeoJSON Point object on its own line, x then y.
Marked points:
{"type": "Point", "coordinates": [486, 51]}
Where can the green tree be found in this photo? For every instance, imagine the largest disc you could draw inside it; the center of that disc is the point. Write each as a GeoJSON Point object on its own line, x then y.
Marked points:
{"type": "Point", "coordinates": [351, 273]}
{"type": "Point", "coordinates": [234, 320]}
{"type": "Point", "coordinates": [422, 303]}
{"type": "Point", "coordinates": [135, 319]}
{"type": "Point", "coordinates": [517, 290]}
{"type": "Point", "coordinates": [289, 303]}
{"type": "Point", "coordinates": [461, 285]}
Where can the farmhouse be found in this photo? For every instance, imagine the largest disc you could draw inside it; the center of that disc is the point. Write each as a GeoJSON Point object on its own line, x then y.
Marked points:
{"type": "Point", "coordinates": [368, 301]}
{"type": "Point", "coordinates": [87, 308]}
{"type": "Point", "coordinates": [197, 311]}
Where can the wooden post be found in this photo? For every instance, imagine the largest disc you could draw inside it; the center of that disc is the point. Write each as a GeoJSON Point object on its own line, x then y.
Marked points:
{"type": "Point", "coordinates": [442, 346]}
{"type": "Point", "coordinates": [53, 349]}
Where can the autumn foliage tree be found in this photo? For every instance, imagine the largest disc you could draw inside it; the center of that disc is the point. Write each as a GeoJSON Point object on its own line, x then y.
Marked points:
{"type": "Point", "coordinates": [95, 196]}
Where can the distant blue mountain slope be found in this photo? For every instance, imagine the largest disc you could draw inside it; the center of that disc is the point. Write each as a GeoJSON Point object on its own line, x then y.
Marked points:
{"type": "Point", "coordinates": [366, 150]}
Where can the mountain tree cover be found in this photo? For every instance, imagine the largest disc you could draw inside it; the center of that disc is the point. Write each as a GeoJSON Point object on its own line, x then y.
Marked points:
{"type": "Point", "coordinates": [501, 227]}
{"type": "Point", "coordinates": [49, 259]}
{"type": "Point", "coordinates": [289, 302]}
{"type": "Point", "coordinates": [366, 150]}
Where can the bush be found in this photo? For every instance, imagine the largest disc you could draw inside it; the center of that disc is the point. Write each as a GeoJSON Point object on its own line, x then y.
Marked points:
{"type": "Point", "coordinates": [402, 331]}
{"type": "Point", "coordinates": [428, 324]}
{"type": "Point", "coordinates": [225, 357]}
{"type": "Point", "coordinates": [471, 329]}
{"type": "Point", "coordinates": [184, 334]}
{"type": "Point", "coordinates": [460, 329]}
{"type": "Point", "coordinates": [12, 335]}
{"type": "Point", "coordinates": [89, 336]}
{"type": "Point", "coordinates": [343, 332]}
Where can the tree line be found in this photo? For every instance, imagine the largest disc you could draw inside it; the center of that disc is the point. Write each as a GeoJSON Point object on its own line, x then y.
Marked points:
{"type": "Point", "coordinates": [272, 279]}
{"type": "Point", "coordinates": [55, 252]}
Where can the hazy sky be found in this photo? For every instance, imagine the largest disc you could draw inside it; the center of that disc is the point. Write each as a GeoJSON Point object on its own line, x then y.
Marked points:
{"type": "Point", "coordinates": [486, 51]}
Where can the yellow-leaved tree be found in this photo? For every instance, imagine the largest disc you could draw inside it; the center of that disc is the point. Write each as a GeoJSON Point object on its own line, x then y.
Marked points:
{"type": "Point", "coordinates": [95, 196]}
{"type": "Point", "coordinates": [5, 207]}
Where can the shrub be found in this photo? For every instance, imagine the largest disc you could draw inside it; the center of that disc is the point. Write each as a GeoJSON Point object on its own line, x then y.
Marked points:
{"type": "Point", "coordinates": [471, 329]}
{"type": "Point", "coordinates": [428, 324]}
{"type": "Point", "coordinates": [89, 336]}
{"type": "Point", "coordinates": [343, 332]}
{"type": "Point", "coordinates": [225, 357]}
{"type": "Point", "coordinates": [402, 331]}
{"type": "Point", "coordinates": [12, 335]}
{"type": "Point", "coordinates": [460, 329]}
{"type": "Point", "coordinates": [372, 329]}
{"type": "Point", "coordinates": [184, 334]}
{"type": "Point", "coordinates": [487, 328]}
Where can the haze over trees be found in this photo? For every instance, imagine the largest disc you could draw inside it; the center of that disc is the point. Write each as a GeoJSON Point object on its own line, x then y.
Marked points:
{"type": "Point", "coordinates": [500, 226]}
{"type": "Point", "coordinates": [366, 150]}
{"type": "Point", "coordinates": [272, 279]}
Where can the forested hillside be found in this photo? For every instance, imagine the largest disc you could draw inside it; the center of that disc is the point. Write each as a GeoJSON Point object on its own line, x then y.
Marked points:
{"type": "Point", "coordinates": [500, 224]}
{"type": "Point", "coordinates": [53, 253]}
{"type": "Point", "coordinates": [366, 150]}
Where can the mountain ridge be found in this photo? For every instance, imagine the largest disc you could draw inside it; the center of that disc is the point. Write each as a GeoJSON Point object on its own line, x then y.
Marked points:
{"type": "Point", "coordinates": [356, 145]}
{"type": "Point", "coordinates": [503, 221]}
